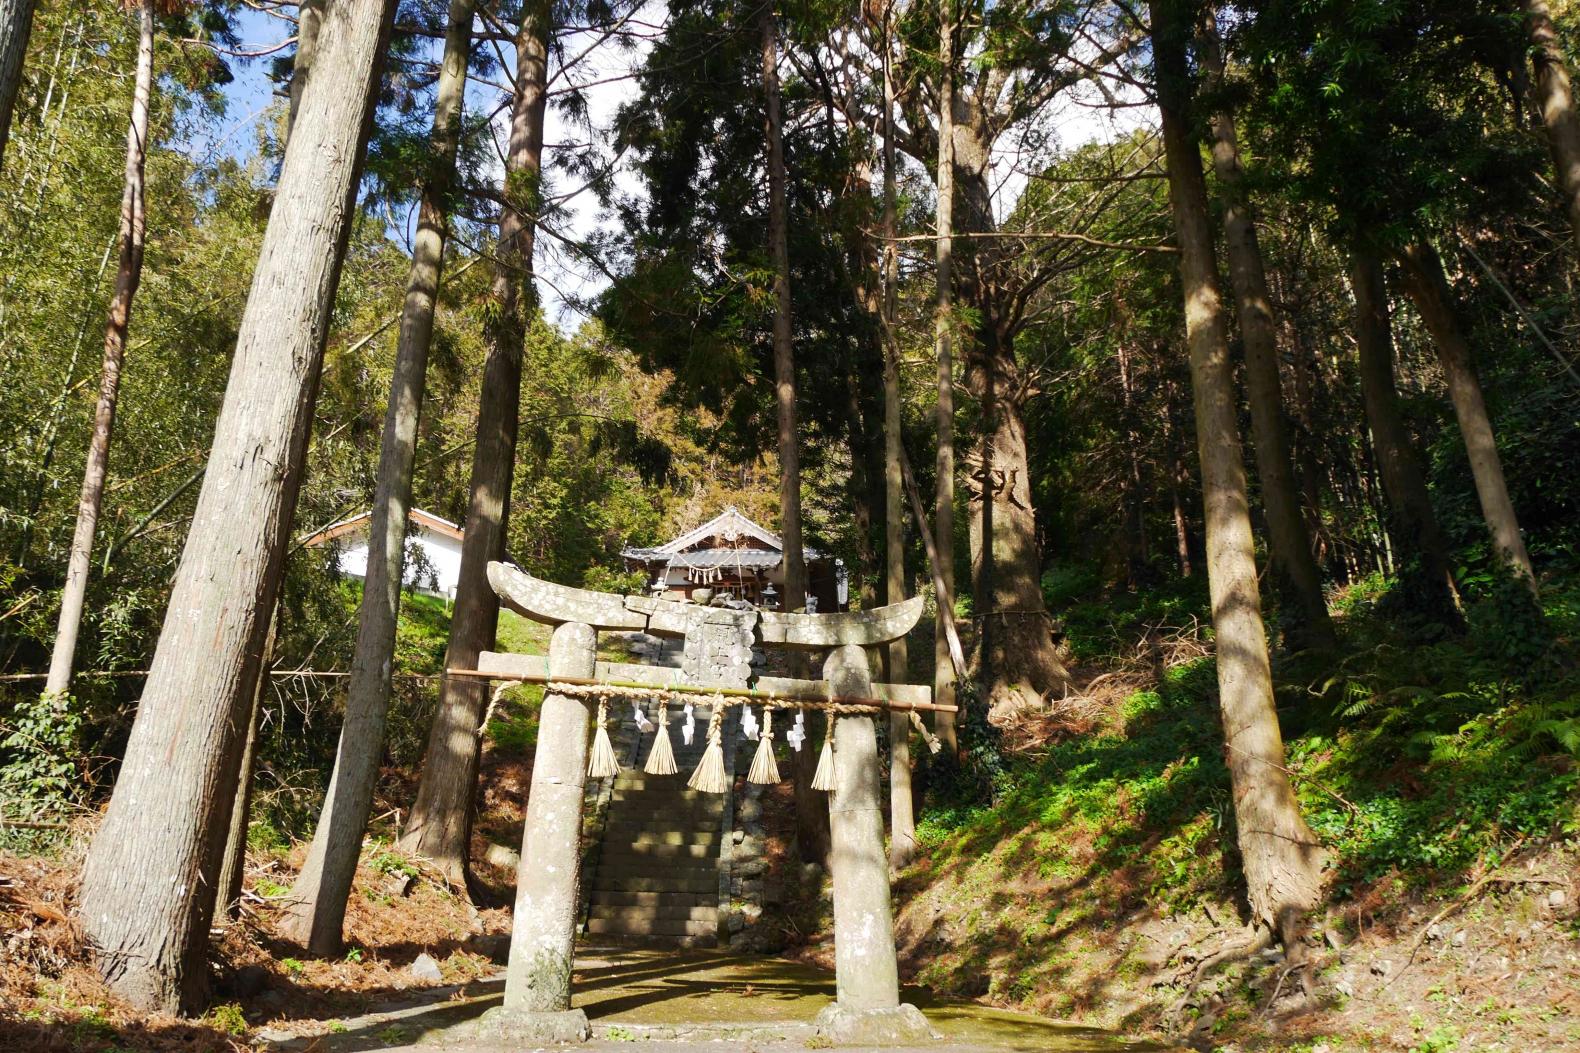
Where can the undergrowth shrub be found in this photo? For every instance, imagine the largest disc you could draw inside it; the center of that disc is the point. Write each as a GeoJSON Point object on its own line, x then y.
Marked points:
{"type": "Point", "coordinates": [39, 754]}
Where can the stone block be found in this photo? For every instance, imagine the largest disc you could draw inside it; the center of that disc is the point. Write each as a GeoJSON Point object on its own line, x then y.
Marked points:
{"type": "Point", "coordinates": [518, 1026]}
{"type": "Point", "coordinates": [901, 1025]}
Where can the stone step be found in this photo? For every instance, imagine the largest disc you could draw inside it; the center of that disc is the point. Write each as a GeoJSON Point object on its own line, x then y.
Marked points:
{"type": "Point", "coordinates": [677, 793]}
{"type": "Point", "coordinates": [662, 786]}
{"type": "Point", "coordinates": [629, 827]}
{"type": "Point", "coordinates": [656, 855]}
{"type": "Point", "coordinates": [650, 865]}
{"type": "Point", "coordinates": [648, 899]}
{"type": "Point", "coordinates": [688, 815]}
{"type": "Point", "coordinates": [647, 836]}
{"type": "Point", "coordinates": [681, 811]}
{"type": "Point", "coordinates": [610, 927]}
{"type": "Point", "coordinates": [658, 912]}
{"type": "Point", "coordinates": [678, 883]}
{"type": "Point", "coordinates": [644, 868]}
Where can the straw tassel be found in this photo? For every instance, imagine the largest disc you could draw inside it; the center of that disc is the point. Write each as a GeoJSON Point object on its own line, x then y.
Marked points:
{"type": "Point", "coordinates": [603, 764]}
{"type": "Point", "coordinates": [823, 778]}
{"type": "Point", "coordinates": [661, 758]}
{"type": "Point", "coordinates": [709, 776]}
{"type": "Point", "coordinates": [765, 770]}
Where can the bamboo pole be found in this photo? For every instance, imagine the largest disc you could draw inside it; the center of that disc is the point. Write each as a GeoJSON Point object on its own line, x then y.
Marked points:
{"type": "Point", "coordinates": [729, 692]}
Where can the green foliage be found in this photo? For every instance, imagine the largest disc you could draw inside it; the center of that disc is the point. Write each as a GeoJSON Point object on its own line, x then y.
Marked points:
{"type": "Point", "coordinates": [392, 863]}
{"type": "Point", "coordinates": [1100, 624]}
{"type": "Point", "coordinates": [39, 756]}
{"type": "Point", "coordinates": [229, 1018]}
{"type": "Point", "coordinates": [514, 729]}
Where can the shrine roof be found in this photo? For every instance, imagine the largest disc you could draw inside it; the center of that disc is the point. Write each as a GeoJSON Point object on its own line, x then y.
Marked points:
{"type": "Point", "coordinates": [729, 525]}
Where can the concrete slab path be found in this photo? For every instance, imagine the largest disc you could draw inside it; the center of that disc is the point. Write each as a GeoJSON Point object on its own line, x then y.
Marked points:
{"type": "Point", "coordinates": [680, 1002]}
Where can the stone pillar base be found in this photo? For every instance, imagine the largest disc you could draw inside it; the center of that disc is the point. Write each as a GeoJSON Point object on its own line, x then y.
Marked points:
{"type": "Point", "coordinates": [538, 1029]}
{"type": "Point", "coordinates": [903, 1025]}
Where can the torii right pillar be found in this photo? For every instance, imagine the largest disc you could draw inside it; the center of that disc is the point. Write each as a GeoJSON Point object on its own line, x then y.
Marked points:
{"type": "Point", "coordinates": [867, 1010]}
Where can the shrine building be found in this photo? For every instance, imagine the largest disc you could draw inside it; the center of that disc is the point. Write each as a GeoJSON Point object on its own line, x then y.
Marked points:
{"type": "Point", "coordinates": [734, 557]}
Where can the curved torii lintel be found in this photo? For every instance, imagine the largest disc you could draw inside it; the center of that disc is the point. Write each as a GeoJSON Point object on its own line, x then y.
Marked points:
{"type": "Point", "coordinates": [544, 601]}
{"type": "Point", "coordinates": [817, 632]}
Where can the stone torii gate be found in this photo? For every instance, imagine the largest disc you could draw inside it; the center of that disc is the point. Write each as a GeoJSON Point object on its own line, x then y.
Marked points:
{"type": "Point", "coordinates": [717, 653]}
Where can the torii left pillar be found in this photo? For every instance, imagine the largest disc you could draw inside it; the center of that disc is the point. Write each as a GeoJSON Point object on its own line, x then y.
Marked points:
{"type": "Point", "coordinates": [537, 1007]}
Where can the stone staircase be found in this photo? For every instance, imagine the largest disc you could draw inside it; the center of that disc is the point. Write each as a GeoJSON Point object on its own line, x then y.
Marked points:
{"type": "Point", "coordinates": [656, 872]}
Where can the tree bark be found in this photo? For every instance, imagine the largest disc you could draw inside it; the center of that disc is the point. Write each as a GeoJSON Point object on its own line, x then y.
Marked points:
{"type": "Point", "coordinates": [1428, 288]}
{"type": "Point", "coordinates": [1412, 526]}
{"type": "Point", "coordinates": [1019, 665]}
{"type": "Point", "coordinates": [441, 817]}
{"type": "Point", "coordinates": [1179, 479]}
{"type": "Point", "coordinates": [233, 865]}
{"type": "Point", "coordinates": [147, 887]}
{"type": "Point", "coordinates": [944, 412]}
{"type": "Point", "coordinates": [317, 907]}
{"type": "Point", "coordinates": [16, 26]}
{"type": "Point", "coordinates": [1280, 855]}
{"type": "Point", "coordinates": [309, 19]}
{"type": "Point", "coordinates": [1555, 100]}
{"type": "Point", "coordinates": [784, 354]}
{"type": "Point", "coordinates": [128, 275]}
{"type": "Point", "coordinates": [902, 807]}
{"type": "Point", "coordinates": [1305, 621]}
{"type": "Point", "coordinates": [858, 482]}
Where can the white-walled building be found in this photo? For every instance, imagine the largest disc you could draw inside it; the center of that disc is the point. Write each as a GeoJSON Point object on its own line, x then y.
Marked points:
{"type": "Point", "coordinates": [433, 550]}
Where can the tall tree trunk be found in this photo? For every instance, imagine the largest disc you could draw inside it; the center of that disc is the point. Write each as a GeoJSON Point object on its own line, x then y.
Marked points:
{"type": "Point", "coordinates": [147, 886]}
{"type": "Point", "coordinates": [1555, 100]}
{"type": "Point", "coordinates": [1179, 479]}
{"type": "Point", "coordinates": [1428, 288]}
{"type": "Point", "coordinates": [944, 414]}
{"type": "Point", "coordinates": [441, 816]}
{"type": "Point", "coordinates": [784, 353]}
{"type": "Point", "coordinates": [309, 19]}
{"type": "Point", "coordinates": [902, 807]}
{"type": "Point", "coordinates": [1138, 554]}
{"type": "Point", "coordinates": [1305, 622]}
{"type": "Point", "coordinates": [812, 825]}
{"type": "Point", "coordinates": [1412, 526]}
{"type": "Point", "coordinates": [1020, 667]}
{"type": "Point", "coordinates": [1280, 855]}
{"type": "Point", "coordinates": [317, 907]}
{"type": "Point", "coordinates": [128, 275]}
{"type": "Point", "coordinates": [858, 482]}
{"type": "Point", "coordinates": [233, 865]}
{"type": "Point", "coordinates": [16, 26]}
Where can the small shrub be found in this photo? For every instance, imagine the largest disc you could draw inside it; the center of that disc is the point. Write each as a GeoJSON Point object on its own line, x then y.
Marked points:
{"type": "Point", "coordinates": [393, 863]}
{"type": "Point", "coordinates": [228, 1018]}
